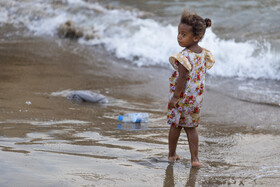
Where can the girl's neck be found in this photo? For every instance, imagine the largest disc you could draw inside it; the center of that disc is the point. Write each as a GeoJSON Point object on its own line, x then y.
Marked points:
{"type": "Point", "coordinates": [195, 48]}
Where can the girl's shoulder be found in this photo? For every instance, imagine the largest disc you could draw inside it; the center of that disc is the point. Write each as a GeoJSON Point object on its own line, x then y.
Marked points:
{"type": "Point", "coordinates": [208, 54]}
{"type": "Point", "coordinates": [206, 50]}
{"type": "Point", "coordinates": [209, 58]}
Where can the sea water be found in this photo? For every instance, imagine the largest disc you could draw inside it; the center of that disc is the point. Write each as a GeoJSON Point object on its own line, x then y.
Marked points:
{"type": "Point", "coordinates": [244, 45]}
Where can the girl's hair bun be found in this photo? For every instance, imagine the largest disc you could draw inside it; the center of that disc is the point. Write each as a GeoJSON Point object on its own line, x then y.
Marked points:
{"type": "Point", "coordinates": [208, 22]}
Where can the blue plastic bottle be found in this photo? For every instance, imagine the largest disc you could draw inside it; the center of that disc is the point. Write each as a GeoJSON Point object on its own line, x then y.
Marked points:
{"type": "Point", "coordinates": [134, 117]}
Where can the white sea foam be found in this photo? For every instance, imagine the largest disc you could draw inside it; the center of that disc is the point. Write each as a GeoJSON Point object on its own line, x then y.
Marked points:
{"type": "Point", "coordinates": [243, 59]}
{"type": "Point", "coordinates": [3, 15]}
{"type": "Point", "coordinates": [144, 42]}
{"type": "Point", "coordinates": [63, 93]}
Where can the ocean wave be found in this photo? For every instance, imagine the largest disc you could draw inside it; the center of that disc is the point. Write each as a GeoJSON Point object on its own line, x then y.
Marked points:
{"type": "Point", "coordinates": [142, 41]}
{"type": "Point", "coordinates": [250, 59]}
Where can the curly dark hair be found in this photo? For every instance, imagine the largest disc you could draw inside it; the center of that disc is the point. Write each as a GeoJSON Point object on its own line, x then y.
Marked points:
{"type": "Point", "coordinates": [197, 23]}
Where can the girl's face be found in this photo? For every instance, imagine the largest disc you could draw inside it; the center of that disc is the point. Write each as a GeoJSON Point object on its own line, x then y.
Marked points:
{"type": "Point", "coordinates": [185, 36]}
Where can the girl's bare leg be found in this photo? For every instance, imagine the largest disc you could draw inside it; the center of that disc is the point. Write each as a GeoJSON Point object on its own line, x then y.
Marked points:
{"type": "Point", "coordinates": [174, 134]}
{"type": "Point", "coordinates": [193, 145]}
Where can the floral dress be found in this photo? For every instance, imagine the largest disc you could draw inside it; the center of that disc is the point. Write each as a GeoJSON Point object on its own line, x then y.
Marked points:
{"type": "Point", "coordinates": [187, 111]}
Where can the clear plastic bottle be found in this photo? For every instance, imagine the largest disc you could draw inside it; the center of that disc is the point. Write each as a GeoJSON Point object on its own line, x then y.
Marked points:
{"type": "Point", "coordinates": [134, 117]}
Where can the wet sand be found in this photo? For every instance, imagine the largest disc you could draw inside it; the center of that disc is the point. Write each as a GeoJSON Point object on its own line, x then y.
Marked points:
{"type": "Point", "coordinates": [47, 140]}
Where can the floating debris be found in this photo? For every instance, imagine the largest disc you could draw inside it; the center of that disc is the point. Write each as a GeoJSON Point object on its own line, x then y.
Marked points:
{"type": "Point", "coordinates": [87, 96]}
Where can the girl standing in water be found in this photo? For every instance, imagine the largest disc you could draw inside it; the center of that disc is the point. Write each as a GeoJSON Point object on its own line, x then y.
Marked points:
{"type": "Point", "coordinates": [187, 84]}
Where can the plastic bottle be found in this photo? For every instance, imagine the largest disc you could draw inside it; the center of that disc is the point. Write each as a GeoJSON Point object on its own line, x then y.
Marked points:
{"type": "Point", "coordinates": [134, 117]}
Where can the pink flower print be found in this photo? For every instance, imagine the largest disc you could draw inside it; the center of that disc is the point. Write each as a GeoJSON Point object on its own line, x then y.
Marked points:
{"type": "Point", "coordinates": [201, 86]}
{"type": "Point", "coordinates": [182, 94]}
{"type": "Point", "coordinates": [181, 121]}
{"type": "Point", "coordinates": [196, 110]}
{"type": "Point", "coordinates": [180, 109]}
{"type": "Point", "coordinates": [174, 74]}
{"type": "Point", "coordinates": [173, 87]}
{"type": "Point", "coordinates": [191, 99]}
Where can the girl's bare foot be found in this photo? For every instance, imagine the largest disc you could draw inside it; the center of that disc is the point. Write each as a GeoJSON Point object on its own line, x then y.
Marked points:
{"type": "Point", "coordinates": [196, 164]}
{"type": "Point", "coordinates": [173, 158]}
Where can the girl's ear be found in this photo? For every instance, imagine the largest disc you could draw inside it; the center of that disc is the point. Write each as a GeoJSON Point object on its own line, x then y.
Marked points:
{"type": "Point", "coordinates": [196, 39]}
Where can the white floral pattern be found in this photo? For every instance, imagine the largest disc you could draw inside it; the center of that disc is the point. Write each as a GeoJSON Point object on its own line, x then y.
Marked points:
{"type": "Point", "coordinates": [187, 111]}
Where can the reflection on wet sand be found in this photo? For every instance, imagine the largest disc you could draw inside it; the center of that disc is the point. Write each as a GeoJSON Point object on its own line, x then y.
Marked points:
{"type": "Point", "coordinates": [192, 177]}
{"type": "Point", "coordinates": [169, 176]}
{"type": "Point", "coordinates": [132, 126]}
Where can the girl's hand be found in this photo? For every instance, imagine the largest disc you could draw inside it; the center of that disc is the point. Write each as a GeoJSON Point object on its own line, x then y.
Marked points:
{"type": "Point", "coordinates": [172, 103]}
{"type": "Point", "coordinates": [180, 86]}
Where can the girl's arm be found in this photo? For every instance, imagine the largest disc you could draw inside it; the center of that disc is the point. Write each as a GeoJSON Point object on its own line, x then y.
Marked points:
{"type": "Point", "coordinates": [180, 85]}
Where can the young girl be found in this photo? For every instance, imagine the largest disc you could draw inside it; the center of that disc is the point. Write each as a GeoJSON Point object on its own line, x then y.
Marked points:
{"type": "Point", "coordinates": [187, 84]}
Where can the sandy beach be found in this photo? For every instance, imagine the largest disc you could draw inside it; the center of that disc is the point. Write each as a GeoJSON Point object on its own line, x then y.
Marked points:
{"type": "Point", "coordinates": [47, 140]}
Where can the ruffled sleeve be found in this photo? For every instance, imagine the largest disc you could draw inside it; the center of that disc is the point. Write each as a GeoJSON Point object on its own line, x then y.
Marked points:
{"type": "Point", "coordinates": [210, 60]}
{"type": "Point", "coordinates": [181, 59]}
